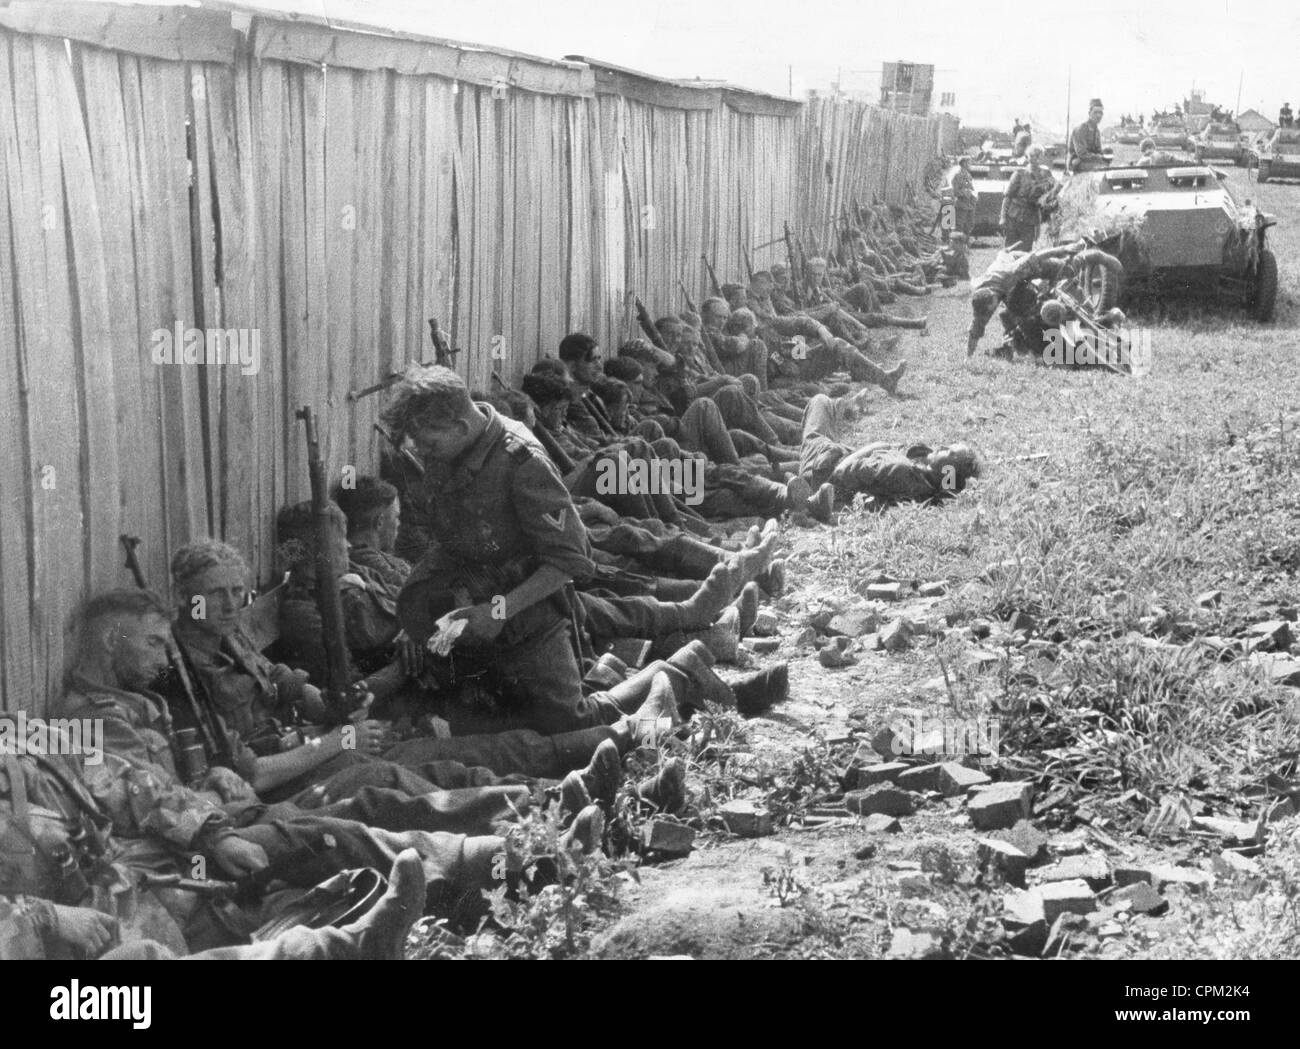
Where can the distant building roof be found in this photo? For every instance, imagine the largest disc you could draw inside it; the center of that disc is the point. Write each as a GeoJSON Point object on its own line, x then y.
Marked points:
{"type": "Point", "coordinates": [1254, 120]}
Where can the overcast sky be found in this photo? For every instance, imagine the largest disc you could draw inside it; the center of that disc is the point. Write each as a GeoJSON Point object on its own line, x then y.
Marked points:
{"type": "Point", "coordinates": [1002, 58]}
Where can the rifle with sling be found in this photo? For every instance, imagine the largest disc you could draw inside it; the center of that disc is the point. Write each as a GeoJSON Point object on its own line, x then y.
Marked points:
{"type": "Point", "coordinates": [215, 743]}
{"type": "Point", "coordinates": [713, 277]}
{"type": "Point", "coordinates": [338, 694]}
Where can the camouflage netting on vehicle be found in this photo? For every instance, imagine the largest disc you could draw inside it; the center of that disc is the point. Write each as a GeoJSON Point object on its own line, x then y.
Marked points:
{"type": "Point", "coordinates": [1077, 214]}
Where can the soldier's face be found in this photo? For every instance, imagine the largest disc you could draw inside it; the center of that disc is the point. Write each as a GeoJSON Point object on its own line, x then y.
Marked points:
{"type": "Point", "coordinates": [1095, 114]}
{"type": "Point", "coordinates": [389, 522]}
{"type": "Point", "coordinates": [139, 649]}
{"type": "Point", "coordinates": [716, 316]}
{"type": "Point", "coordinates": [442, 440]}
{"type": "Point", "coordinates": [216, 600]}
{"type": "Point", "coordinates": [782, 278]}
{"type": "Point", "coordinates": [587, 371]}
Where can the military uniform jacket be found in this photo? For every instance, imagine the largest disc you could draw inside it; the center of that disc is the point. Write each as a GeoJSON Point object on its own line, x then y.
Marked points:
{"type": "Point", "coordinates": [1084, 139]}
{"type": "Point", "coordinates": [250, 693]}
{"type": "Point", "coordinates": [369, 601]}
{"type": "Point", "coordinates": [137, 783]}
{"type": "Point", "coordinates": [963, 189]}
{"type": "Point", "coordinates": [1020, 203]}
{"type": "Point", "coordinates": [498, 513]}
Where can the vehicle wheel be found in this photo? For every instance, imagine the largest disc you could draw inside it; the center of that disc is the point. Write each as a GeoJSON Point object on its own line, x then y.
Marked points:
{"type": "Point", "coordinates": [1099, 282]}
{"type": "Point", "coordinates": [1265, 286]}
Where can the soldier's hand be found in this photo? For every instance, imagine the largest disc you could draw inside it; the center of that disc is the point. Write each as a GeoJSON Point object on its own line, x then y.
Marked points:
{"type": "Point", "coordinates": [410, 654]}
{"type": "Point", "coordinates": [83, 929]}
{"type": "Point", "coordinates": [481, 624]}
{"type": "Point", "coordinates": [368, 736]}
{"type": "Point", "coordinates": [229, 785]}
{"type": "Point", "coordinates": [237, 857]}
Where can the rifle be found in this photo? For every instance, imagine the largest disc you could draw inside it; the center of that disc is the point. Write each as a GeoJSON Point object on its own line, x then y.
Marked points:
{"type": "Point", "coordinates": [442, 353]}
{"type": "Point", "coordinates": [647, 326]}
{"type": "Point", "coordinates": [803, 264]}
{"type": "Point", "coordinates": [687, 296]}
{"type": "Point", "coordinates": [214, 742]}
{"type": "Point", "coordinates": [247, 888]}
{"type": "Point", "coordinates": [400, 449]}
{"type": "Point", "coordinates": [794, 271]}
{"type": "Point", "coordinates": [854, 271]}
{"type": "Point", "coordinates": [713, 277]}
{"type": "Point", "coordinates": [749, 269]}
{"type": "Point", "coordinates": [340, 698]}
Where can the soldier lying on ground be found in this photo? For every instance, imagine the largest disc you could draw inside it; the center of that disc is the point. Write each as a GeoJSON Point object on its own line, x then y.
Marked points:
{"type": "Point", "coordinates": [886, 473]}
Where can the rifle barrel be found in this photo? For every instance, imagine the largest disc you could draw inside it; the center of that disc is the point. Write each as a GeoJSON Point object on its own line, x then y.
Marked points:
{"type": "Point", "coordinates": [328, 602]}
{"type": "Point", "coordinates": [214, 742]}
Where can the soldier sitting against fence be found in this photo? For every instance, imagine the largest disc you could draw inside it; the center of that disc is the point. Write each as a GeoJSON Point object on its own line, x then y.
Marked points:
{"type": "Point", "coordinates": [353, 767]}
{"type": "Point", "coordinates": [121, 650]}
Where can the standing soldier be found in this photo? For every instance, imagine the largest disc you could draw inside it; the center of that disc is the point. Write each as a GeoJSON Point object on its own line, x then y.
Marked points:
{"type": "Point", "coordinates": [1023, 200]}
{"type": "Point", "coordinates": [963, 191]}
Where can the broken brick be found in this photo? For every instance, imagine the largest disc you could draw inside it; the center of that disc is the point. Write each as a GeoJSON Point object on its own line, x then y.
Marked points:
{"type": "Point", "coordinates": [1088, 867]}
{"type": "Point", "coordinates": [1233, 830]}
{"type": "Point", "coordinates": [673, 839]}
{"type": "Point", "coordinates": [955, 778]}
{"type": "Point", "coordinates": [1065, 897]}
{"type": "Point", "coordinates": [1004, 858]}
{"type": "Point", "coordinates": [897, 636]}
{"type": "Point", "coordinates": [919, 778]}
{"type": "Point", "coordinates": [1001, 804]}
{"type": "Point", "coordinates": [859, 776]}
{"type": "Point", "coordinates": [885, 591]}
{"type": "Point", "coordinates": [1141, 899]}
{"type": "Point", "coordinates": [854, 623]}
{"type": "Point", "coordinates": [883, 798]}
{"type": "Point", "coordinates": [746, 819]}
{"type": "Point", "coordinates": [879, 823]}
{"type": "Point", "coordinates": [1275, 634]}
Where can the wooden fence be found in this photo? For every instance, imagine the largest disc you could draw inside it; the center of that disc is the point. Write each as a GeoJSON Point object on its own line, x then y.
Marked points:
{"type": "Point", "coordinates": [175, 180]}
